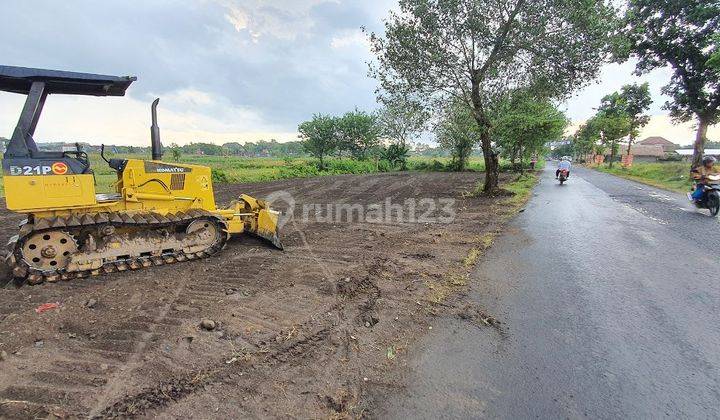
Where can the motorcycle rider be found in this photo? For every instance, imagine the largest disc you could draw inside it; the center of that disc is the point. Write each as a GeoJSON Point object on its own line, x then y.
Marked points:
{"type": "Point", "coordinates": [700, 174]}
{"type": "Point", "coordinates": [563, 164]}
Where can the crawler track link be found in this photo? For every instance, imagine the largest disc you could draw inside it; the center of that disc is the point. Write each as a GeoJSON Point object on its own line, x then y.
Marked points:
{"type": "Point", "coordinates": [136, 222]}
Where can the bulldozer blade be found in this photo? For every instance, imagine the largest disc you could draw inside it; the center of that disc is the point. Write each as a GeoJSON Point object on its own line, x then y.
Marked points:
{"type": "Point", "coordinates": [258, 219]}
{"type": "Point", "coordinates": [273, 238]}
{"type": "Point", "coordinates": [267, 226]}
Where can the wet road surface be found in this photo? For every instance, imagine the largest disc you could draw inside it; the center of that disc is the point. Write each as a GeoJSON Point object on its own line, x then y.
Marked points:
{"type": "Point", "coordinates": [610, 309]}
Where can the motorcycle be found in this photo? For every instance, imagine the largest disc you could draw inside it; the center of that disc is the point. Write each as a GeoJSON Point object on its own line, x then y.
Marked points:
{"type": "Point", "coordinates": [711, 198]}
{"type": "Point", "coordinates": [563, 176]}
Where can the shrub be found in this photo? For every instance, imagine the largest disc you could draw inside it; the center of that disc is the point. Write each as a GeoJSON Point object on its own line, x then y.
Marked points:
{"type": "Point", "coordinates": [396, 156]}
{"type": "Point", "coordinates": [219, 176]}
{"type": "Point", "coordinates": [385, 166]}
{"type": "Point", "coordinates": [671, 158]}
{"type": "Point", "coordinates": [433, 166]}
{"type": "Point", "coordinates": [298, 170]}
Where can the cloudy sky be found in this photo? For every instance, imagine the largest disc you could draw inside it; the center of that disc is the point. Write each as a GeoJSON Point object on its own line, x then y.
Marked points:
{"type": "Point", "coordinates": [225, 70]}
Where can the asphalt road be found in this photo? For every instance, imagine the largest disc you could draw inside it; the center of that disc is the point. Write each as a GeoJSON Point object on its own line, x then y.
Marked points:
{"type": "Point", "coordinates": [610, 309]}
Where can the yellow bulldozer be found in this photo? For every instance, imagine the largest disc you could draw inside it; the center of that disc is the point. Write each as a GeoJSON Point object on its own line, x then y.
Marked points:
{"type": "Point", "coordinates": [159, 213]}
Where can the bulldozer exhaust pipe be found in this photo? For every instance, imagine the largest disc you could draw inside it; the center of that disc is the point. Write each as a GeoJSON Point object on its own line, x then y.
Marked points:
{"type": "Point", "coordinates": [157, 148]}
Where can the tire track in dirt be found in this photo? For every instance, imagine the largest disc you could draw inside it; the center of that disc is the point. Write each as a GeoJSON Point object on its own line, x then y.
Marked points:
{"type": "Point", "coordinates": [362, 292]}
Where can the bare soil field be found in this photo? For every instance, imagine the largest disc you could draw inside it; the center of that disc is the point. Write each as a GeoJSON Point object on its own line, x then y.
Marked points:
{"type": "Point", "coordinates": [317, 330]}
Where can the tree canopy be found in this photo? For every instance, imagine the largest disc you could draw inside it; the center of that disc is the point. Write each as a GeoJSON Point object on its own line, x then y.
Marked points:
{"type": "Point", "coordinates": [634, 100]}
{"type": "Point", "coordinates": [401, 119]}
{"type": "Point", "coordinates": [356, 133]}
{"type": "Point", "coordinates": [524, 124]}
{"type": "Point", "coordinates": [681, 34]}
{"type": "Point", "coordinates": [586, 138]}
{"type": "Point", "coordinates": [475, 51]}
{"type": "Point", "coordinates": [457, 132]}
{"type": "Point", "coordinates": [610, 124]}
{"type": "Point", "coordinates": [606, 128]}
{"type": "Point", "coordinates": [359, 133]}
{"type": "Point", "coordinates": [319, 136]}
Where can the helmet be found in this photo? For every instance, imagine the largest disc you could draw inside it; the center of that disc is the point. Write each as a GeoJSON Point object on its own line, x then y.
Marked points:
{"type": "Point", "coordinates": [564, 158]}
{"type": "Point", "coordinates": [708, 160]}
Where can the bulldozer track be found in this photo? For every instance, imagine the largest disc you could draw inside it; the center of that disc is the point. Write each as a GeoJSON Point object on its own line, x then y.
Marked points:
{"type": "Point", "coordinates": [74, 384]}
{"type": "Point", "coordinates": [23, 272]}
{"type": "Point", "coordinates": [90, 366]}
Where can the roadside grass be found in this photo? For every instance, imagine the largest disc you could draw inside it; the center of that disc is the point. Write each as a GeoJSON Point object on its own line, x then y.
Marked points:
{"type": "Point", "coordinates": [521, 189]}
{"type": "Point", "coordinates": [483, 243]}
{"type": "Point", "coordinates": [673, 176]}
{"type": "Point", "coordinates": [472, 257]}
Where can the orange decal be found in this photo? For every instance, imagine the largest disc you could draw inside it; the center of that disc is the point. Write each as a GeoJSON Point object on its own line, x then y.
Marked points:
{"type": "Point", "coordinates": [59, 168]}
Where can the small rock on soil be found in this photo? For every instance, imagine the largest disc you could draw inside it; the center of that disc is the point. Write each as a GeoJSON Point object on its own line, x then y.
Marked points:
{"type": "Point", "coordinates": [207, 324]}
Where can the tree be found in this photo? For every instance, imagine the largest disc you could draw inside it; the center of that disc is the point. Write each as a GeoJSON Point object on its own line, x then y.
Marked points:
{"type": "Point", "coordinates": [611, 123]}
{"type": "Point", "coordinates": [234, 148]}
{"type": "Point", "coordinates": [359, 132]}
{"type": "Point", "coordinates": [176, 151]}
{"type": "Point", "coordinates": [458, 133]}
{"type": "Point", "coordinates": [586, 139]}
{"type": "Point", "coordinates": [524, 124]}
{"type": "Point", "coordinates": [679, 34]}
{"type": "Point", "coordinates": [564, 150]}
{"type": "Point", "coordinates": [401, 119]}
{"type": "Point", "coordinates": [208, 149]}
{"type": "Point", "coordinates": [635, 100]}
{"type": "Point", "coordinates": [422, 149]}
{"type": "Point", "coordinates": [475, 51]}
{"type": "Point", "coordinates": [319, 136]}
{"type": "Point", "coordinates": [396, 154]}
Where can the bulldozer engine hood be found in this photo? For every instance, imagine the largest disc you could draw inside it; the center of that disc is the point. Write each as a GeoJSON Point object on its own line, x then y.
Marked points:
{"type": "Point", "coordinates": [164, 168]}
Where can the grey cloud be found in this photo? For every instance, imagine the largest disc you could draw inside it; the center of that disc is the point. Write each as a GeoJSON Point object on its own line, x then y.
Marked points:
{"type": "Point", "coordinates": [341, 15]}
{"type": "Point", "coordinates": [174, 45]}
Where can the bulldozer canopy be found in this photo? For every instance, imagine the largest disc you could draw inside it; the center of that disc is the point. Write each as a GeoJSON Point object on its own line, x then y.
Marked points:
{"type": "Point", "coordinates": [20, 79]}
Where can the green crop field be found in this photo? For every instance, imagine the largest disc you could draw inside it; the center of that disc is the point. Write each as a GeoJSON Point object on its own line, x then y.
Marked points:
{"type": "Point", "coordinates": [241, 169]}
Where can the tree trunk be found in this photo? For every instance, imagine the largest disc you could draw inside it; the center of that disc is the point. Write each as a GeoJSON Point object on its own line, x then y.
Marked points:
{"type": "Point", "coordinates": [491, 159]}
{"type": "Point", "coordinates": [491, 163]}
{"type": "Point", "coordinates": [700, 139]}
{"type": "Point", "coordinates": [631, 139]}
{"type": "Point", "coordinates": [612, 153]}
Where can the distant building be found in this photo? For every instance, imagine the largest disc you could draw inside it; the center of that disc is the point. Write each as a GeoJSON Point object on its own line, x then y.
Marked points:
{"type": "Point", "coordinates": [646, 152]}
{"type": "Point", "coordinates": [667, 145]}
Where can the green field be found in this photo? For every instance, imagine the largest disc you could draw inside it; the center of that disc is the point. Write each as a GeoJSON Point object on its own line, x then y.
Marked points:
{"type": "Point", "coordinates": [241, 169]}
{"type": "Point", "coordinates": [674, 176]}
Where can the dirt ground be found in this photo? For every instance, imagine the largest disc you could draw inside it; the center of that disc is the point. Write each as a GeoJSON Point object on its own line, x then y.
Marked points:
{"type": "Point", "coordinates": [317, 330]}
